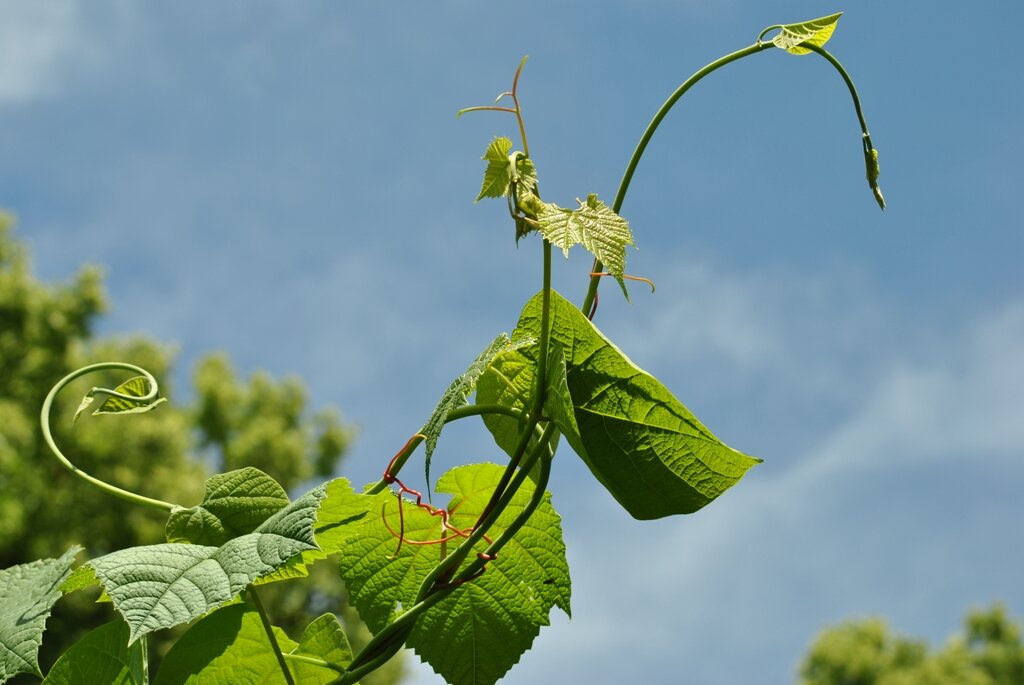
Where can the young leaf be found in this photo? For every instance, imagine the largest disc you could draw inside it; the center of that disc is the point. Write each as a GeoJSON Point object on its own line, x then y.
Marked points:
{"type": "Point", "coordinates": [480, 630]}
{"type": "Point", "coordinates": [160, 586]}
{"type": "Point", "coordinates": [102, 657]}
{"type": "Point", "coordinates": [456, 396]}
{"type": "Point", "coordinates": [27, 595]}
{"type": "Point", "coordinates": [234, 504]}
{"type": "Point", "coordinates": [497, 174]}
{"type": "Point", "coordinates": [79, 579]}
{"type": "Point", "coordinates": [136, 387]}
{"type": "Point", "coordinates": [645, 447]}
{"type": "Point", "coordinates": [816, 32]}
{"type": "Point", "coordinates": [593, 224]}
{"type": "Point", "coordinates": [325, 639]}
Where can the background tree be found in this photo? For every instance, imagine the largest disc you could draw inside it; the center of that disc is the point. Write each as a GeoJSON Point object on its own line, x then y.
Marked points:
{"type": "Point", "coordinates": [989, 651]}
{"type": "Point", "coordinates": [47, 331]}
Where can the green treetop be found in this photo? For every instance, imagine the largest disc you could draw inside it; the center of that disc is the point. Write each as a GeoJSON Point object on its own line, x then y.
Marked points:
{"type": "Point", "coordinates": [989, 651]}
{"type": "Point", "coordinates": [46, 331]}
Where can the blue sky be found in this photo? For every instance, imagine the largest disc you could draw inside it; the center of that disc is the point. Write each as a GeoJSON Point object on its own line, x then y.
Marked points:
{"type": "Point", "coordinates": [287, 181]}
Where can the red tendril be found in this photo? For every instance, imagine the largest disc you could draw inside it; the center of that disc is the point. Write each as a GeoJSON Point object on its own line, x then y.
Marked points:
{"type": "Point", "coordinates": [432, 510]}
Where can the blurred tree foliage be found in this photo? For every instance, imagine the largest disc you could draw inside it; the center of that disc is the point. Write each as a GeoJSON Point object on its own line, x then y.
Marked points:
{"type": "Point", "coordinates": [989, 651]}
{"type": "Point", "coordinates": [46, 332]}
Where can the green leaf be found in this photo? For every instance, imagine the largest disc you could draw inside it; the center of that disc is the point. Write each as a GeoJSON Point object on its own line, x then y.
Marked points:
{"type": "Point", "coordinates": [235, 503]}
{"type": "Point", "coordinates": [79, 579]}
{"type": "Point", "coordinates": [456, 396]}
{"type": "Point", "coordinates": [27, 595]}
{"type": "Point", "coordinates": [479, 631]}
{"type": "Point", "coordinates": [645, 447]}
{"type": "Point", "coordinates": [497, 174]}
{"type": "Point", "coordinates": [339, 511]}
{"type": "Point", "coordinates": [323, 639]}
{"type": "Point", "coordinates": [102, 657]}
{"type": "Point", "coordinates": [510, 380]}
{"type": "Point", "coordinates": [159, 586]}
{"type": "Point", "coordinates": [136, 387]}
{"type": "Point", "coordinates": [816, 32]}
{"type": "Point", "coordinates": [593, 224]}
{"type": "Point", "coordinates": [227, 646]}
{"type": "Point", "coordinates": [230, 646]}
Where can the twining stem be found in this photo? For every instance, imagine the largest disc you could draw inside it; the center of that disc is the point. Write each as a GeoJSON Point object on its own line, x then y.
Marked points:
{"type": "Point", "coordinates": [538, 496]}
{"type": "Point", "coordinates": [388, 641]}
{"type": "Point", "coordinates": [44, 420]}
{"type": "Point", "coordinates": [269, 629]}
{"type": "Point", "coordinates": [466, 411]}
{"type": "Point", "coordinates": [846, 78]}
{"type": "Point", "coordinates": [627, 177]}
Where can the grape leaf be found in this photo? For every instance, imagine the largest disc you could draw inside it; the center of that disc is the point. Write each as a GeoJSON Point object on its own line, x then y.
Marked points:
{"type": "Point", "coordinates": [230, 646]}
{"type": "Point", "coordinates": [234, 504]}
{"type": "Point", "coordinates": [456, 396]}
{"type": "Point", "coordinates": [480, 630]}
{"type": "Point", "coordinates": [496, 175]}
{"type": "Point", "coordinates": [102, 657]}
{"type": "Point", "coordinates": [593, 224]}
{"type": "Point", "coordinates": [816, 32]}
{"type": "Point", "coordinates": [159, 586]}
{"type": "Point", "coordinates": [27, 595]}
{"type": "Point", "coordinates": [646, 448]}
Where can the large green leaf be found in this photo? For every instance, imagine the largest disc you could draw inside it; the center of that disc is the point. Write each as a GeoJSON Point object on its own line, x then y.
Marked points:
{"type": "Point", "coordinates": [648, 450]}
{"type": "Point", "coordinates": [480, 630]}
{"type": "Point", "coordinates": [159, 586]}
{"type": "Point", "coordinates": [593, 224]}
{"type": "Point", "coordinates": [231, 646]}
{"type": "Point", "coordinates": [27, 594]}
{"type": "Point", "coordinates": [510, 380]}
{"type": "Point", "coordinates": [815, 32]}
{"type": "Point", "coordinates": [102, 657]}
{"type": "Point", "coordinates": [235, 503]}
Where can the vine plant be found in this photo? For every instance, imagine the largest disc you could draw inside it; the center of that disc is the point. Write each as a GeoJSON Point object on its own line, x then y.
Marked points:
{"type": "Point", "coordinates": [466, 585]}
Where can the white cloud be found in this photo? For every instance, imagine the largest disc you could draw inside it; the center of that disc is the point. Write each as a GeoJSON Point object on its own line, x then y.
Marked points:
{"type": "Point", "coordinates": [36, 40]}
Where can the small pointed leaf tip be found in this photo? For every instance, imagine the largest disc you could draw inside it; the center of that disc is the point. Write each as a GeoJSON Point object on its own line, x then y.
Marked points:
{"type": "Point", "coordinates": [816, 32]}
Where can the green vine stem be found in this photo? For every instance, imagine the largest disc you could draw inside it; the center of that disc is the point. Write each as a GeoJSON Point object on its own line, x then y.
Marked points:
{"type": "Point", "coordinates": [870, 154]}
{"type": "Point", "coordinates": [627, 177]}
{"type": "Point", "coordinates": [44, 420]}
{"type": "Point", "coordinates": [269, 629]}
